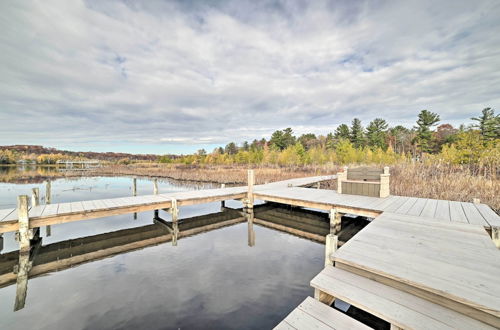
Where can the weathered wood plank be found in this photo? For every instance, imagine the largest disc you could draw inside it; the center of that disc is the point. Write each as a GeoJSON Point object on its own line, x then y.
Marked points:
{"type": "Point", "coordinates": [491, 217]}
{"type": "Point", "coordinates": [457, 213]}
{"type": "Point", "coordinates": [418, 207]}
{"type": "Point", "coordinates": [442, 210]}
{"type": "Point", "coordinates": [429, 208]}
{"type": "Point", "coordinates": [473, 215]}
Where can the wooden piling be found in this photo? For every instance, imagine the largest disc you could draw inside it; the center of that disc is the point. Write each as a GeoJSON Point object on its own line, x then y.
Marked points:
{"type": "Point", "coordinates": [222, 203]}
{"type": "Point", "coordinates": [48, 200]}
{"type": "Point", "coordinates": [134, 193]}
{"type": "Point", "coordinates": [22, 280]}
{"type": "Point", "coordinates": [134, 187]}
{"type": "Point", "coordinates": [331, 244]}
{"type": "Point", "coordinates": [335, 221]}
{"type": "Point", "coordinates": [384, 183]}
{"type": "Point", "coordinates": [249, 215]}
{"type": "Point", "coordinates": [48, 193]}
{"type": "Point", "coordinates": [35, 197]}
{"type": "Point", "coordinates": [155, 186]}
{"type": "Point", "coordinates": [251, 182]}
{"type": "Point", "coordinates": [174, 210]}
{"type": "Point", "coordinates": [23, 219]}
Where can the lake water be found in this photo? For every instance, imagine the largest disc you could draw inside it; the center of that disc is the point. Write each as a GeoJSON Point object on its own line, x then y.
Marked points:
{"type": "Point", "coordinates": [210, 280]}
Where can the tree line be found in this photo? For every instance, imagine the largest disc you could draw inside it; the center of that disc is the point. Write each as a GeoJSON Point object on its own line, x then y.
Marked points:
{"type": "Point", "coordinates": [377, 142]}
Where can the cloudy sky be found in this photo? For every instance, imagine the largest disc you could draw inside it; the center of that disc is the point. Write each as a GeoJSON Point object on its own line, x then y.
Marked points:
{"type": "Point", "coordinates": [175, 76]}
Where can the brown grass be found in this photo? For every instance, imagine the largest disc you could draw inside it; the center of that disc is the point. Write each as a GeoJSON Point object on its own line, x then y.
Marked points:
{"type": "Point", "coordinates": [407, 179]}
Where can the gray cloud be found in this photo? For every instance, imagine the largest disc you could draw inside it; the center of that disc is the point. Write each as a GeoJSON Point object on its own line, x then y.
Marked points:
{"type": "Point", "coordinates": [159, 72]}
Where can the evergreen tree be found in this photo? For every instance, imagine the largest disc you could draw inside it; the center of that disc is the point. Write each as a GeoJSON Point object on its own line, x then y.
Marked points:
{"type": "Point", "coordinates": [245, 146]}
{"type": "Point", "coordinates": [280, 140]}
{"type": "Point", "coordinates": [231, 148]}
{"type": "Point", "coordinates": [376, 133]}
{"type": "Point", "coordinates": [330, 141]}
{"type": "Point", "coordinates": [357, 135]}
{"type": "Point", "coordinates": [488, 124]}
{"type": "Point", "coordinates": [425, 121]}
{"type": "Point", "coordinates": [342, 132]}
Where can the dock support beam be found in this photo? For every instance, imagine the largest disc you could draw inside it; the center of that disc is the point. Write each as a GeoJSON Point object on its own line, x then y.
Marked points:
{"type": "Point", "coordinates": [174, 210]}
{"type": "Point", "coordinates": [331, 244]}
{"type": "Point", "coordinates": [48, 200]}
{"type": "Point", "coordinates": [335, 221]}
{"type": "Point", "coordinates": [384, 183]}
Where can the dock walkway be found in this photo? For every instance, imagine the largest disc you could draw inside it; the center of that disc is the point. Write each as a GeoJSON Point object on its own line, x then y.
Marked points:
{"type": "Point", "coordinates": [439, 255]}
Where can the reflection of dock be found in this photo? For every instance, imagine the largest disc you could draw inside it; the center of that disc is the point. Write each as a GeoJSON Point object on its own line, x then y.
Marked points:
{"type": "Point", "coordinates": [17, 267]}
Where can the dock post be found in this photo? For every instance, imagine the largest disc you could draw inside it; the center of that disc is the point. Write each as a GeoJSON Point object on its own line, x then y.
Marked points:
{"type": "Point", "coordinates": [175, 225]}
{"type": "Point", "coordinates": [251, 181]}
{"type": "Point", "coordinates": [134, 193]}
{"type": "Point", "coordinates": [335, 221]}
{"type": "Point", "coordinates": [495, 236]}
{"type": "Point", "coordinates": [330, 247]}
{"type": "Point", "coordinates": [155, 192]}
{"type": "Point", "coordinates": [48, 200]}
{"type": "Point", "coordinates": [24, 232]}
{"type": "Point", "coordinates": [35, 197]}
{"type": "Point", "coordinates": [222, 203]}
{"type": "Point", "coordinates": [22, 280]}
{"type": "Point", "coordinates": [134, 187]}
{"type": "Point", "coordinates": [251, 232]}
{"type": "Point", "coordinates": [155, 186]}
{"type": "Point", "coordinates": [318, 185]}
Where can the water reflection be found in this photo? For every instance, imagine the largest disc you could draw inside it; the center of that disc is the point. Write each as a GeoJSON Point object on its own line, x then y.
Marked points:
{"type": "Point", "coordinates": [17, 267]}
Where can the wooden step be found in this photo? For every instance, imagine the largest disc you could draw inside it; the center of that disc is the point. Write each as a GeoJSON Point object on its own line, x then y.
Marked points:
{"type": "Point", "coordinates": [312, 314]}
{"type": "Point", "coordinates": [399, 308]}
{"type": "Point", "coordinates": [452, 264]}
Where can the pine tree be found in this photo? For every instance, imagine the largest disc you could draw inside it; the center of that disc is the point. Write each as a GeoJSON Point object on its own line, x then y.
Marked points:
{"type": "Point", "coordinates": [357, 135]}
{"type": "Point", "coordinates": [425, 121]}
{"type": "Point", "coordinates": [342, 132]}
{"type": "Point", "coordinates": [488, 124]}
{"type": "Point", "coordinates": [376, 133]}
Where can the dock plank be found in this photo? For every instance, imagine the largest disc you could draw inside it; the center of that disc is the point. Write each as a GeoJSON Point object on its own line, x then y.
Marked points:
{"type": "Point", "coordinates": [418, 207]}
{"type": "Point", "coordinates": [491, 217]}
{"type": "Point", "coordinates": [443, 210]}
{"type": "Point", "coordinates": [457, 213]}
{"type": "Point", "coordinates": [473, 215]}
{"type": "Point", "coordinates": [430, 208]}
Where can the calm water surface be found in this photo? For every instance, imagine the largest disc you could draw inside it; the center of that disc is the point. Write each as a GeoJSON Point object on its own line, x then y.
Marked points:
{"type": "Point", "coordinates": [211, 280]}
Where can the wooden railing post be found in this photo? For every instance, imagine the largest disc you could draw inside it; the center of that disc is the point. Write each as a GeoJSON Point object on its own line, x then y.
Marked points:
{"type": "Point", "coordinates": [330, 247]}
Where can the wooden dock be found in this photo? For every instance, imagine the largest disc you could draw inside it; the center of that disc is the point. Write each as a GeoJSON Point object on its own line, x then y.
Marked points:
{"type": "Point", "coordinates": [419, 263]}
